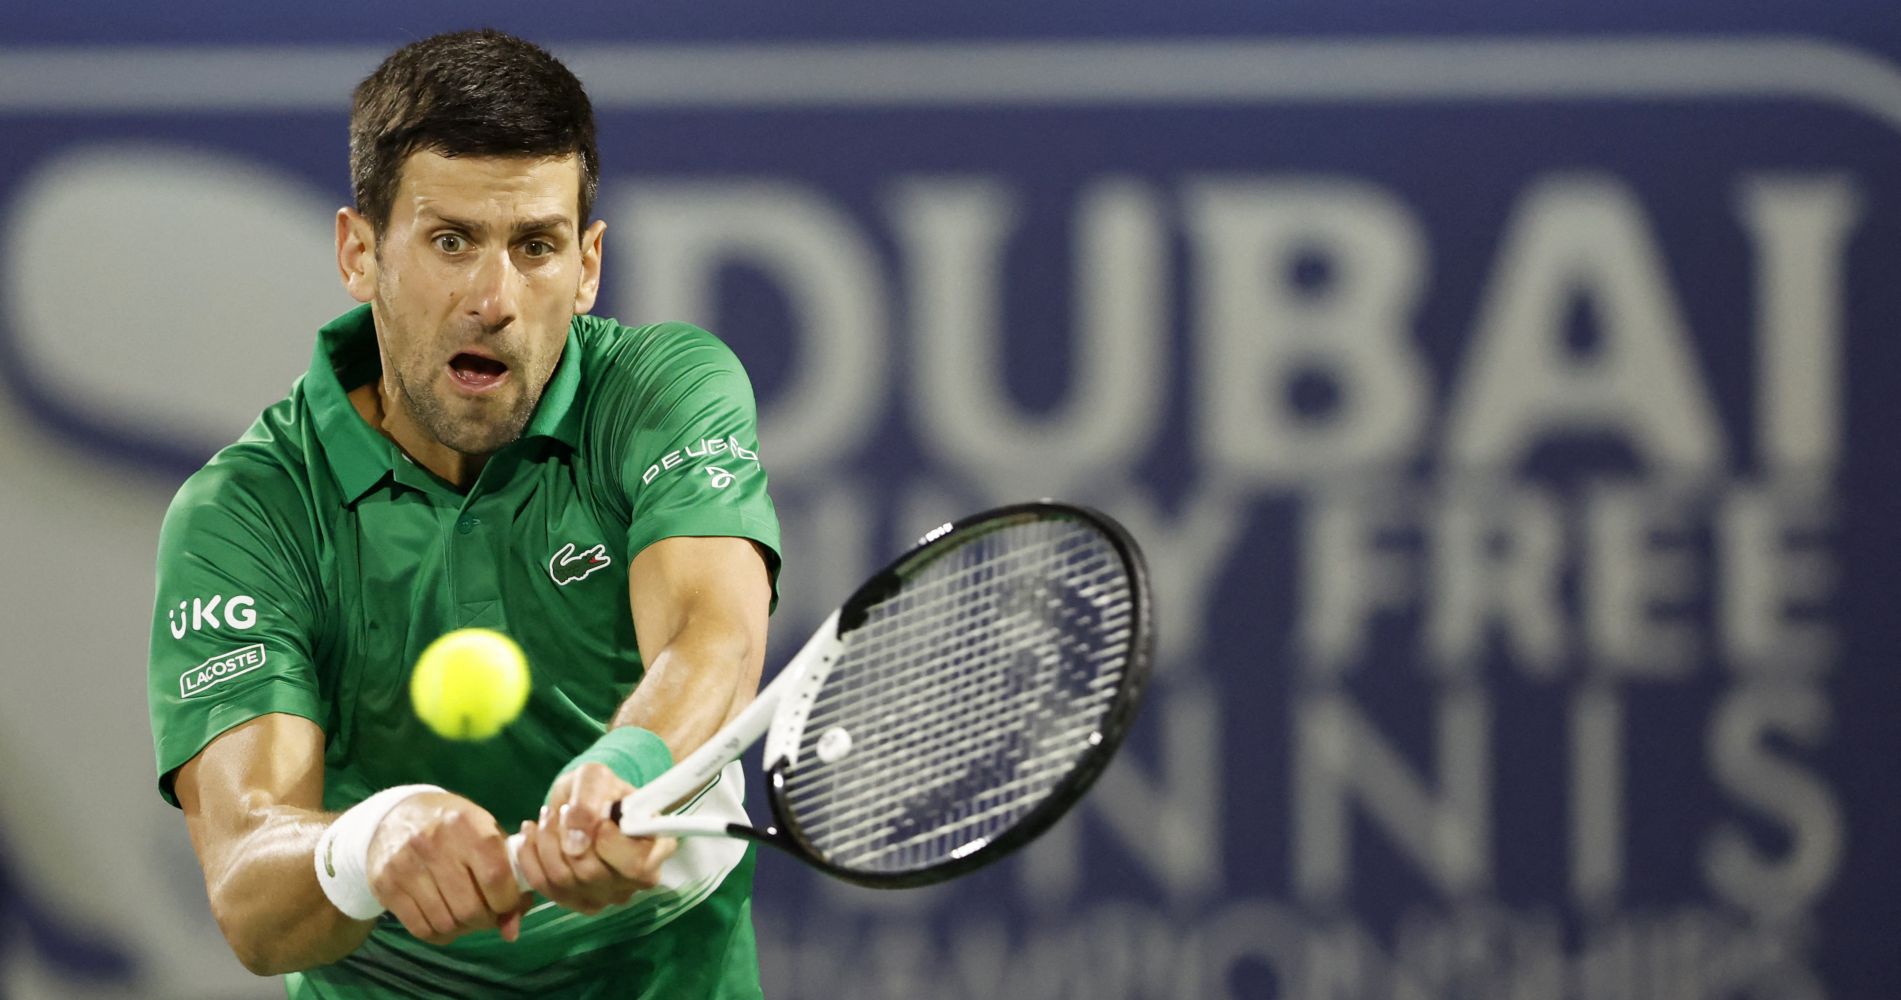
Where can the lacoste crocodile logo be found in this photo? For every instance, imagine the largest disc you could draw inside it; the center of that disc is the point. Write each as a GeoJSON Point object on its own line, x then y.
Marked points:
{"type": "Point", "coordinates": [567, 565]}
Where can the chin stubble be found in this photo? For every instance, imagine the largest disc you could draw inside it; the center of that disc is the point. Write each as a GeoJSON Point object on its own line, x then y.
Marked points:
{"type": "Point", "coordinates": [468, 436]}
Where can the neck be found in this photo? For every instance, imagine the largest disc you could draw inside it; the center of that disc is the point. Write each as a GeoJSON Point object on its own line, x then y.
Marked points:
{"type": "Point", "coordinates": [375, 402]}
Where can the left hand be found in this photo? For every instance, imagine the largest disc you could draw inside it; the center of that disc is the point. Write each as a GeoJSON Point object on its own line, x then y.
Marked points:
{"type": "Point", "coordinates": [577, 857]}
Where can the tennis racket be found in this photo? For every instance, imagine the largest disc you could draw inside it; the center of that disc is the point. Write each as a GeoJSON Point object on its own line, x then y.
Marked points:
{"type": "Point", "coordinates": [948, 712]}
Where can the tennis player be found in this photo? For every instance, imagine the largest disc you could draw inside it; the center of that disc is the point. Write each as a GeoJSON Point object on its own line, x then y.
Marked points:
{"type": "Point", "coordinates": [469, 448]}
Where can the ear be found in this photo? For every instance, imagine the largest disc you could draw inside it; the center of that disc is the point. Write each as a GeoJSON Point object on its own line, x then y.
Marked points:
{"type": "Point", "coordinates": [356, 254]}
{"type": "Point", "coordinates": [590, 287]}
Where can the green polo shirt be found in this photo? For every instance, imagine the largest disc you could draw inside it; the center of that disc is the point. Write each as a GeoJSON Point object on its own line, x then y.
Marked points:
{"type": "Point", "coordinates": [305, 567]}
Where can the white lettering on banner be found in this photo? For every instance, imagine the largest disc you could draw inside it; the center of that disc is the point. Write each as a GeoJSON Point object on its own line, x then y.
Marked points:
{"type": "Point", "coordinates": [1167, 817]}
{"type": "Point", "coordinates": [1122, 951]}
{"type": "Point", "coordinates": [1496, 569]}
{"type": "Point", "coordinates": [686, 232]}
{"type": "Point", "coordinates": [955, 233]}
{"type": "Point", "coordinates": [1626, 611]}
{"type": "Point", "coordinates": [700, 449]}
{"type": "Point", "coordinates": [219, 669]}
{"type": "Point", "coordinates": [1340, 760]}
{"type": "Point", "coordinates": [1780, 573]}
{"type": "Point", "coordinates": [1750, 721]}
{"type": "Point", "coordinates": [1351, 571]}
{"type": "Point", "coordinates": [1380, 550]}
{"type": "Point", "coordinates": [240, 613]}
{"type": "Point", "coordinates": [1635, 590]}
{"type": "Point", "coordinates": [1581, 239]}
{"type": "Point", "coordinates": [1311, 372]}
{"type": "Point", "coordinates": [1799, 228]}
{"type": "Point", "coordinates": [1424, 538]}
{"type": "Point", "coordinates": [1597, 797]}
{"type": "Point", "coordinates": [1255, 338]}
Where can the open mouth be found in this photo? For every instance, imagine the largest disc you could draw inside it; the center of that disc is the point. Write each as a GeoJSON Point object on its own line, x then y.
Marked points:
{"type": "Point", "coordinates": [475, 372]}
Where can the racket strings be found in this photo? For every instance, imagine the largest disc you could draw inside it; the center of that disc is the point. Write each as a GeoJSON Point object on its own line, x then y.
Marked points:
{"type": "Point", "coordinates": [958, 682]}
{"type": "Point", "coordinates": [906, 638]}
{"type": "Point", "coordinates": [905, 633]}
{"type": "Point", "coordinates": [911, 735]}
{"type": "Point", "coordinates": [913, 644]}
{"type": "Point", "coordinates": [1003, 800]}
{"type": "Point", "coordinates": [980, 701]}
{"type": "Point", "coordinates": [968, 696]}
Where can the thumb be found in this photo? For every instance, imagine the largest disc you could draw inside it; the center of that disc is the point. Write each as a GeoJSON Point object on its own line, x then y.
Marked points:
{"type": "Point", "coordinates": [511, 924]}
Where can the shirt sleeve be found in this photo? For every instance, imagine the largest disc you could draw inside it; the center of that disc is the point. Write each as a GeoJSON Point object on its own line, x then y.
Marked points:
{"type": "Point", "coordinates": [231, 632]}
{"type": "Point", "coordinates": [692, 462]}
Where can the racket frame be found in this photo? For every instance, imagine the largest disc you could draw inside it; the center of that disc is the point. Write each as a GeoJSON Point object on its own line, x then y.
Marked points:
{"type": "Point", "coordinates": [779, 712]}
{"type": "Point", "coordinates": [1104, 741]}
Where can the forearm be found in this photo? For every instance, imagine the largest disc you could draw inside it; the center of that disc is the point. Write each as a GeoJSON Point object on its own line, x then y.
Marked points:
{"type": "Point", "coordinates": [265, 895]}
{"type": "Point", "coordinates": [701, 678]}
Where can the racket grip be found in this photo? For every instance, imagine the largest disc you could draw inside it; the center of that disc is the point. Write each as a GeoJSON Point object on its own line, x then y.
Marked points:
{"type": "Point", "coordinates": [667, 825]}
{"type": "Point", "coordinates": [658, 826]}
{"type": "Point", "coordinates": [515, 840]}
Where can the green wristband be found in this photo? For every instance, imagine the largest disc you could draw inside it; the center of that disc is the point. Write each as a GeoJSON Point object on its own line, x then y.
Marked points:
{"type": "Point", "coordinates": [636, 755]}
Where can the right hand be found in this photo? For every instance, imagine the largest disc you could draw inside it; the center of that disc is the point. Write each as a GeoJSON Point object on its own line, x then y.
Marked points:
{"type": "Point", "coordinates": [439, 862]}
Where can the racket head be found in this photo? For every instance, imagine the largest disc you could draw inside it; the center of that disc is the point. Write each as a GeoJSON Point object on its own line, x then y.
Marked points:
{"type": "Point", "coordinates": [1037, 610]}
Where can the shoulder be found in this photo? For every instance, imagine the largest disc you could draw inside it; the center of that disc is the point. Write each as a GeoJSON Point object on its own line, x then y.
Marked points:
{"type": "Point", "coordinates": [657, 354]}
{"type": "Point", "coordinates": [254, 488]}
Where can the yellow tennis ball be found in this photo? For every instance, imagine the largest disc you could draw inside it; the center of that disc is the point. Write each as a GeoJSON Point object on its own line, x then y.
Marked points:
{"type": "Point", "coordinates": [469, 684]}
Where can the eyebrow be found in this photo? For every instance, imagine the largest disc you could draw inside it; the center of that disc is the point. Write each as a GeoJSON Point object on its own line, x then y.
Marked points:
{"type": "Point", "coordinates": [544, 224]}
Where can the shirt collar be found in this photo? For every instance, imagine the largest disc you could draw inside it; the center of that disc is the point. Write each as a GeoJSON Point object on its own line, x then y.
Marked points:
{"type": "Point", "coordinates": [360, 457]}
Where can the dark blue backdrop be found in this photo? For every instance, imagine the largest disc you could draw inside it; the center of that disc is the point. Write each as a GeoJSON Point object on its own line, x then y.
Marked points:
{"type": "Point", "coordinates": [1424, 355]}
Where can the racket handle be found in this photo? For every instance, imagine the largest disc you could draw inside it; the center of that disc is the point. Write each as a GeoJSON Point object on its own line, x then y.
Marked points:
{"type": "Point", "coordinates": [658, 826]}
{"type": "Point", "coordinates": [671, 825]}
{"type": "Point", "coordinates": [515, 840]}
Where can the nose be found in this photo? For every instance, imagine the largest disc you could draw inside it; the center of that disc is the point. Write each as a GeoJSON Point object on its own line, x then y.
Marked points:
{"type": "Point", "coordinates": [495, 295]}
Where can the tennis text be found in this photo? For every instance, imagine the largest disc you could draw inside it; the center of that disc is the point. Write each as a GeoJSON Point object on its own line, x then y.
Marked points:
{"type": "Point", "coordinates": [1398, 505]}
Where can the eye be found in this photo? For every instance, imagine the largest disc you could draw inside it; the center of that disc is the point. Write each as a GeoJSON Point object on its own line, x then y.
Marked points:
{"type": "Point", "coordinates": [537, 248]}
{"type": "Point", "coordinates": [451, 243]}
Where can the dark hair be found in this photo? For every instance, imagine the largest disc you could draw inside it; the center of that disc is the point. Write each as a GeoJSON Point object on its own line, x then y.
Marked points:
{"type": "Point", "coordinates": [469, 93]}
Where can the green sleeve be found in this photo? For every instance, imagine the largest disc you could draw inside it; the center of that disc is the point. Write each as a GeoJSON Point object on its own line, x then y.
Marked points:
{"type": "Point", "coordinates": [690, 463]}
{"type": "Point", "coordinates": [231, 629]}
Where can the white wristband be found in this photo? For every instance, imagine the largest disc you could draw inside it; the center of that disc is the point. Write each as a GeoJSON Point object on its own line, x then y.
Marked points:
{"type": "Point", "coordinates": [343, 852]}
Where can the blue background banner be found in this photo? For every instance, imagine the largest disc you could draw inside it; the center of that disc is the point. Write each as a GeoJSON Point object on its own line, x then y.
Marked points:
{"type": "Point", "coordinates": [1500, 393]}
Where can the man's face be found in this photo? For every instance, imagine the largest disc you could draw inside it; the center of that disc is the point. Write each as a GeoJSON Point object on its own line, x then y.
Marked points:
{"type": "Point", "coordinates": [474, 281]}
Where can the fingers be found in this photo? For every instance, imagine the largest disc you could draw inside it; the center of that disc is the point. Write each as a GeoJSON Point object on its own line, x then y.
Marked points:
{"type": "Point", "coordinates": [577, 825]}
{"type": "Point", "coordinates": [528, 857]}
{"type": "Point", "coordinates": [636, 859]}
{"type": "Point", "coordinates": [493, 876]}
{"type": "Point", "coordinates": [467, 912]}
{"type": "Point", "coordinates": [440, 864]}
{"type": "Point", "coordinates": [420, 908]}
{"type": "Point", "coordinates": [591, 791]}
{"type": "Point", "coordinates": [511, 924]}
{"type": "Point", "coordinates": [582, 860]}
{"type": "Point", "coordinates": [468, 864]}
{"type": "Point", "coordinates": [551, 873]}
